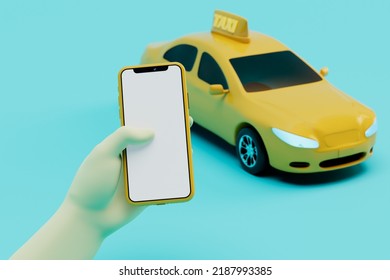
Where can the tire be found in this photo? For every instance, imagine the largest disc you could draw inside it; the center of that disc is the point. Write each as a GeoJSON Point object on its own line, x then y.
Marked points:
{"type": "Point", "coordinates": [251, 152]}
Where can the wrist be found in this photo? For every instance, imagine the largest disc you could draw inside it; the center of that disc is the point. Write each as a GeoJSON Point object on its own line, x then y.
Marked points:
{"type": "Point", "coordinates": [83, 217]}
{"type": "Point", "coordinates": [76, 231]}
{"type": "Point", "coordinates": [68, 234]}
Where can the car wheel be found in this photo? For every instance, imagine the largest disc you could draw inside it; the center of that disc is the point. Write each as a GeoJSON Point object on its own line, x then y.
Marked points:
{"type": "Point", "coordinates": [251, 151]}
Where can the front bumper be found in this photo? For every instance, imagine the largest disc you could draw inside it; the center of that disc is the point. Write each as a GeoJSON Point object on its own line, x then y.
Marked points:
{"type": "Point", "coordinates": [300, 160]}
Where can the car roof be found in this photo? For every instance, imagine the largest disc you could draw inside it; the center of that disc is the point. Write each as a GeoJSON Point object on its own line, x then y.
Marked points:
{"type": "Point", "coordinates": [228, 47]}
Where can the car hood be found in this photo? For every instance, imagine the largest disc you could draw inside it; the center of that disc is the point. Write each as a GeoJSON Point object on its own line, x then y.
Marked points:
{"type": "Point", "coordinates": [316, 108]}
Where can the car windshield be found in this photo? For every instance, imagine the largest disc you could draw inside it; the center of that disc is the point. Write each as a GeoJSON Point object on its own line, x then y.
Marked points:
{"type": "Point", "coordinates": [272, 70]}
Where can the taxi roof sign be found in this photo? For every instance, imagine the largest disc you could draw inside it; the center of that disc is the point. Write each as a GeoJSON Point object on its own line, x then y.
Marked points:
{"type": "Point", "coordinates": [230, 25]}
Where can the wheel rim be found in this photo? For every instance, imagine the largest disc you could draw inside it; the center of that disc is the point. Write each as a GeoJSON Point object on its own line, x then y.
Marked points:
{"type": "Point", "coordinates": [248, 151]}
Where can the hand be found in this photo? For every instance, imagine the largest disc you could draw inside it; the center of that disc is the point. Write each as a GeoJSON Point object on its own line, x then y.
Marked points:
{"type": "Point", "coordinates": [94, 207]}
{"type": "Point", "coordinates": [98, 187]}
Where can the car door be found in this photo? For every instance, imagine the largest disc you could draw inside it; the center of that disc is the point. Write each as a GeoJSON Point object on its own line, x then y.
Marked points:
{"type": "Point", "coordinates": [214, 112]}
{"type": "Point", "coordinates": [207, 110]}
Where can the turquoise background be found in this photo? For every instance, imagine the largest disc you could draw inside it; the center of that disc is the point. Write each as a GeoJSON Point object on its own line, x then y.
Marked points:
{"type": "Point", "coordinates": [58, 98]}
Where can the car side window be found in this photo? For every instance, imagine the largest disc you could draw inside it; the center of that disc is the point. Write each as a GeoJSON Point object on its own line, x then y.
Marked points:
{"type": "Point", "coordinates": [185, 54]}
{"type": "Point", "coordinates": [210, 72]}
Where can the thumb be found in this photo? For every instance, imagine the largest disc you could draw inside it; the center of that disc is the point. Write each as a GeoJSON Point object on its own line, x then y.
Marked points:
{"type": "Point", "coordinates": [115, 143]}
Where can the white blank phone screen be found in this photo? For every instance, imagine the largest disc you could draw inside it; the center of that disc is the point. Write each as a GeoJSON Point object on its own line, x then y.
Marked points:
{"type": "Point", "coordinates": [160, 169]}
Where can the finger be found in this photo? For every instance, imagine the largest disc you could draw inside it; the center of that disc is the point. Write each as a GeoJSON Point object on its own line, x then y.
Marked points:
{"type": "Point", "coordinates": [191, 121]}
{"type": "Point", "coordinates": [115, 143]}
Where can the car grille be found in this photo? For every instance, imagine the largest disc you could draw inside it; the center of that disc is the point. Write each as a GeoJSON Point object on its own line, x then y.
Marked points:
{"type": "Point", "coordinates": [342, 160]}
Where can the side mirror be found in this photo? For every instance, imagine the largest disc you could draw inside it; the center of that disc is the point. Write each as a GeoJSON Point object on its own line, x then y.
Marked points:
{"type": "Point", "coordinates": [217, 89]}
{"type": "Point", "coordinates": [324, 71]}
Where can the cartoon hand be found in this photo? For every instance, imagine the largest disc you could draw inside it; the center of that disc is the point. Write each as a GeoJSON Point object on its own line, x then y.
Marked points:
{"type": "Point", "coordinates": [98, 187]}
{"type": "Point", "coordinates": [94, 207]}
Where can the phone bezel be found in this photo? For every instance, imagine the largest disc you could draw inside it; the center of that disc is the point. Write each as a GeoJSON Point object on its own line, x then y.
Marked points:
{"type": "Point", "coordinates": [154, 68]}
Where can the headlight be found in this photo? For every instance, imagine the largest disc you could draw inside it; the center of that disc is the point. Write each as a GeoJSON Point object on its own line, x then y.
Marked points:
{"type": "Point", "coordinates": [372, 129]}
{"type": "Point", "coordinates": [295, 140]}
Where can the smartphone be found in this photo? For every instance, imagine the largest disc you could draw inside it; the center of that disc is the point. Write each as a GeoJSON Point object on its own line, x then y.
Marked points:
{"type": "Point", "coordinates": [155, 97]}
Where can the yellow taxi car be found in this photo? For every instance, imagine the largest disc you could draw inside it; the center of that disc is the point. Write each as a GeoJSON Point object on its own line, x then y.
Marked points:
{"type": "Point", "coordinates": [258, 95]}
